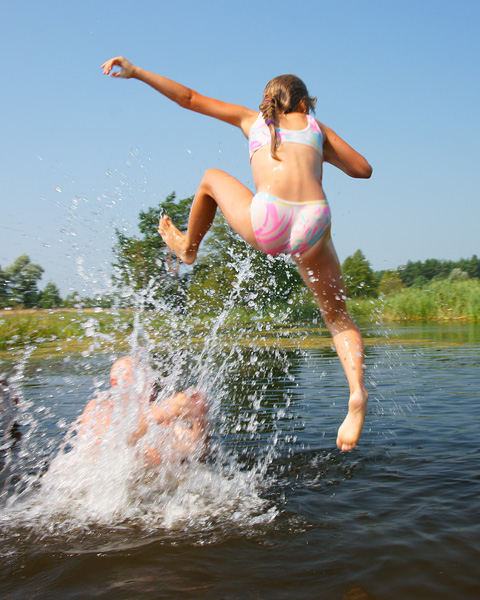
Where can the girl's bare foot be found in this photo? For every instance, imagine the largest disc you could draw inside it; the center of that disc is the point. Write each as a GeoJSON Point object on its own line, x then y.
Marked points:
{"type": "Point", "coordinates": [351, 428]}
{"type": "Point", "coordinates": [176, 240]}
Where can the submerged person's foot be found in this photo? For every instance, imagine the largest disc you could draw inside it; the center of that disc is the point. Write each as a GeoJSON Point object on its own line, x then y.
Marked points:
{"type": "Point", "coordinates": [351, 428]}
{"type": "Point", "coordinates": [176, 240]}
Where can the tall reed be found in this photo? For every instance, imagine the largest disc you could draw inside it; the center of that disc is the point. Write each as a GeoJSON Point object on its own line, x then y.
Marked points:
{"type": "Point", "coordinates": [439, 300]}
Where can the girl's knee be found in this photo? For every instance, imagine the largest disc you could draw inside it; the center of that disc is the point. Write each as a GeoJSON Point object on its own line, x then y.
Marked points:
{"type": "Point", "coordinates": [212, 174]}
{"type": "Point", "coordinates": [208, 181]}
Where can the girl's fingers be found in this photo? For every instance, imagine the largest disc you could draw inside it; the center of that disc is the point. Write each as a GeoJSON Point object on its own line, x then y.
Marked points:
{"type": "Point", "coordinates": [108, 65]}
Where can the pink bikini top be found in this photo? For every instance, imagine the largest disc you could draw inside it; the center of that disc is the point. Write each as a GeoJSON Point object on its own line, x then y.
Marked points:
{"type": "Point", "coordinates": [310, 136]}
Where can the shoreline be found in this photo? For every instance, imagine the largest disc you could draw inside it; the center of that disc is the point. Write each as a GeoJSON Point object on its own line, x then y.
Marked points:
{"type": "Point", "coordinates": [46, 333]}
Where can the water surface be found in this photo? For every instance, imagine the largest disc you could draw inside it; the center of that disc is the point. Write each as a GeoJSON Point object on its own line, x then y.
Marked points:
{"type": "Point", "coordinates": [277, 511]}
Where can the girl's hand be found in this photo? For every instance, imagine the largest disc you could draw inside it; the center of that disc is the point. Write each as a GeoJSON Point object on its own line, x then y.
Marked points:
{"type": "Point", "coordinates": [127, 69]}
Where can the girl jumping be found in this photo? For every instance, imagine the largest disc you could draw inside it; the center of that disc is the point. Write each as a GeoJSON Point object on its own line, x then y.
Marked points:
{"type": "Point", "coordinates": [288, 214]}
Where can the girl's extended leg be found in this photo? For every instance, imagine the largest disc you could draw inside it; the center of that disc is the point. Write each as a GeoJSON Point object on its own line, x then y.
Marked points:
{"type": "Point", "coordinates": [216, 189]}
{"type": "Point", "coordinates": [322, 273]}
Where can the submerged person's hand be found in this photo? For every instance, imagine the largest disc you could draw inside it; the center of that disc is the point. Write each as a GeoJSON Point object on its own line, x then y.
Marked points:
{"type": "Point", "coordinates": [127, 69]}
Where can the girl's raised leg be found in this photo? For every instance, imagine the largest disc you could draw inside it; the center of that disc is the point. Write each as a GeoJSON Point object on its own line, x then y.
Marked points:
{"type": "Point", "coordinates": [216, 189]}
{"type": "Point", "coordinates": [322, 273]}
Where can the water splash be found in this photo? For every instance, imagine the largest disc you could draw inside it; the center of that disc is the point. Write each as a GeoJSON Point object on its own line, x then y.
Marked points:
{"type": "Point", "coordinates": [58, 482]}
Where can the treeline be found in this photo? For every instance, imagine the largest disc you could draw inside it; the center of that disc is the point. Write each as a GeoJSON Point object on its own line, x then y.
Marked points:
{"type": "Point", "coordinates": [19, 285]}
{"type": "Point", "coordinates": [362, 281]}
{"type": "Point", "coordinates": [19, 288]}
{"type": "Point", "coordinates": [419, 273]}
{"type": "Point", "coordinates": [262, 283]}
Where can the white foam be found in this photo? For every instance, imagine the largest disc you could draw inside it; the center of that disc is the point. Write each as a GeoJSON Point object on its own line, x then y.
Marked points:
{"type": "Point", "coordinates": [108, 481]}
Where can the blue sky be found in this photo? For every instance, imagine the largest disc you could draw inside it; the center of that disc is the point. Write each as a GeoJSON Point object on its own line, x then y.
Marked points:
{"type": "Point", "coordinates": [82, 154]}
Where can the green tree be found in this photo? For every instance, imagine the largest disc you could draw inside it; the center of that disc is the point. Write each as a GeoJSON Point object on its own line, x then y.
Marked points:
{"type": "Point", "coordinates": [72, 300]}
{"type": "Point", "coordinates": [390, 282]}
{"type": "Point", "coordinates": [409, 272]}
{"type": "Point", "coordinates": [434, 268]}
{"type": "Point", "coordinates": [420, 273]}
{"type": "Point", "coordinates": [142, 261]}
{"type": "Point", "coordinates": [3, 288]}
{"type": "Point", "coordinates": [50, 297]}
{"type": "Point", "coordinates": [360, 280]}
{"type": "Point", "coordinates": [470, 265]}
{"type": "Point", "coordinates": [22, 278]}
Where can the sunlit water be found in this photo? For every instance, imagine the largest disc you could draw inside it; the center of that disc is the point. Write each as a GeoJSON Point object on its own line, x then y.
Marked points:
{"type": "Point", "coordinates": [275, 511]}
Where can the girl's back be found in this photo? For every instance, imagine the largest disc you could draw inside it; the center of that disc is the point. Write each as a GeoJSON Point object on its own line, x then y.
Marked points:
{"type": "Point", "coordinates": [297, 176]}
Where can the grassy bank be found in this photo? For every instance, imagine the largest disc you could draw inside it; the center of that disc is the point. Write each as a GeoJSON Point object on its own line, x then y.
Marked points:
{"type": "Point", "coordinates": [43, 326]}
{"type": "Point", "coordinates": [65, 330]}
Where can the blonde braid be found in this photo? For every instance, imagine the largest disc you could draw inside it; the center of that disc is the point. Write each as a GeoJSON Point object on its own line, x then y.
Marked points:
{"type": "Point", "coordinates": [269, 113]}
{"type": "Point", "coordinates": [283, 94]}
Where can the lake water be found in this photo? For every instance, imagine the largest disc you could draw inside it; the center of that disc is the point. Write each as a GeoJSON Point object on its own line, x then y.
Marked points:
{"type": "Point", "coordinates": [276, 511]}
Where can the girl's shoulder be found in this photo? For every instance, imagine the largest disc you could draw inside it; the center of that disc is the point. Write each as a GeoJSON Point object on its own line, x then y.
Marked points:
{"type": "Point", "coordinates": [316, 123]}
{"type": "Point", "coordinates": [253, 121]}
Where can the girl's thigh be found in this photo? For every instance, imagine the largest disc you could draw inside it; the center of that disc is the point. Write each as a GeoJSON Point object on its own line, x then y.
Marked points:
{"type": "Point", "coordinates": [321, 271]}
{"type": "Point", "coordinates": [234, 200]}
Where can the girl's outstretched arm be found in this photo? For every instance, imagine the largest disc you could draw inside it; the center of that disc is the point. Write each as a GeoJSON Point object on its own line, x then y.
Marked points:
{"type": "Point", "coordinates": [187, 98]}
{"type": "Point", "coordinates": [338, 153]}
